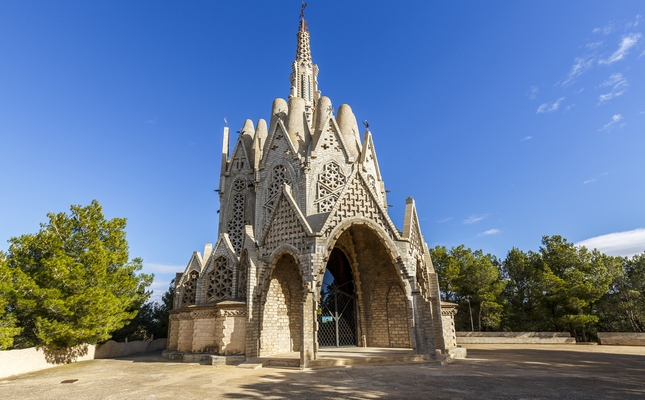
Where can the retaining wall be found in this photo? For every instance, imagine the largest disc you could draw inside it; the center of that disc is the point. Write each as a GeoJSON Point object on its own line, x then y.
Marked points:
{"type": "Point", "coordinates": [621, 338]}
{"type": "Point", "coordinates": [15, 362]}
{"type": "Point", "coordinates": [514, 338]}
{"type": "Point", "coordinates": [112, 349]}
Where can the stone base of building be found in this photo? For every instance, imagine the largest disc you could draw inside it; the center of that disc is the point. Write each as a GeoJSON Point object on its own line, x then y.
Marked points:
{"type": "Point", "coordinates": [204, 359]}
{"type": "Point", "coordinates": [457, 353]}
{"type": "Point", "coordinates": [208, 329]}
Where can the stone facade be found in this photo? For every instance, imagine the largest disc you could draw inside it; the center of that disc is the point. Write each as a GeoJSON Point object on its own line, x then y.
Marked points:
{"type": "Point", "coordinates": [292, 192]}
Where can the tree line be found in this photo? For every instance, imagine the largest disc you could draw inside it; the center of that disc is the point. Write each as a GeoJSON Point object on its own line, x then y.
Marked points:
{"type": "Point", "coordinates": [73, 283]}
{"type": "Point", "coordinates": [561, 287]}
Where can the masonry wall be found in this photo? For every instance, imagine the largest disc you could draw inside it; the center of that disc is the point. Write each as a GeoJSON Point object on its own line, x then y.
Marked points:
{"type": "Point", "coordinates": [387, 309]}
{"type": "Point", "coordinates": [281, 329]}
{"type": "Point", "coordinates": [449, 334]}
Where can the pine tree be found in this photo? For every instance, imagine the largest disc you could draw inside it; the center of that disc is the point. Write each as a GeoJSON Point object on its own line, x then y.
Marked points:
{"type": "Point", "coordinates": [73, 281]}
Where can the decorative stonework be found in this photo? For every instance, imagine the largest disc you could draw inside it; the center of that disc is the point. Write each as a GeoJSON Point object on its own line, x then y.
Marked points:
{"type": "Point", "coordinates": [278, 177]}
{"type": "Point", "coordinates": [242, 274]}
{"type": "Point", "coordinates": [357, 202]}
{"type": "Point", "coordinates": [330, 183]}
{"type": "Point", "coordinates": [236, 224]}
{"type": "Point", "coordinates": [220, 281]}
{"type": "Point", "coordinates": [231, 313]}
{"type": "Point", "coordinates": [189, 289]}
{"type": "Point", "coordinates": [238, 185]}
{"type": "Point", "coordinates": [200, 314]}
{"type": "Point", "coordinates": [285, 228]}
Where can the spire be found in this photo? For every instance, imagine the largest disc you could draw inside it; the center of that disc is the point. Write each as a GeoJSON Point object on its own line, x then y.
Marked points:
{"type": "Point", "coordinates": [303, 50]}
{"type": "Point", "coordinates": [304, 75]}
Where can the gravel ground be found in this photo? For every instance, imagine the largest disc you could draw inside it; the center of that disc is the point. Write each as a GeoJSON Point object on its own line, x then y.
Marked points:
{"type": "Point", "coordinates": [490, 371]}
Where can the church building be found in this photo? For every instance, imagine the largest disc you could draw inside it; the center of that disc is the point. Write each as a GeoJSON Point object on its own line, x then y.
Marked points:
{"type": "Point", "coordinates": [306, 255]}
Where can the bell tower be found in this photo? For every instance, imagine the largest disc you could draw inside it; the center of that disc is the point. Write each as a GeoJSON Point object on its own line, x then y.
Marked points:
{"type": "Point", "coordinates": [304, 73]}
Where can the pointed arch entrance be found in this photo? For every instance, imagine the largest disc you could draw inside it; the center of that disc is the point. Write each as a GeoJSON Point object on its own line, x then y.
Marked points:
{"type": "Point", "coordinates": [337, 312]}
{"type": "Point", "coordinates": [363, 296]}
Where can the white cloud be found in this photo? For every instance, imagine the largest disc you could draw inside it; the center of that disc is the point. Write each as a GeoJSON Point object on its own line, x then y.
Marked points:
{"type": "Point", "coordinates": [490, 232]}
{"type": "Point", "coordinates": [569, 107]}
{"type": "Point", "coordinates": [441, 221]}
{"type": "Point", "coordinates": [164, 273]}
{"type": "Point", "coordinates": [619, 85]}
{"type": "Point", "coordinates": [614, 123]}
{"type": "Point", "coordinates": [474, 219]}
{"type": "Point", "coordinates": [633, 24]}
{"type": "Point", "coordinates": [624, 244]}
{"type": "Point", "coordinates": [580, 66]}
{"type": "Point", "coordinates": [532, 92]}
{"type": "Point", "coordinates": [159, 287]}
{"type": "Point", "coordinates": [605, 30]}
{"type": "Point", "coordinates": [594, 45]}
{"type": "Point", "coordinates": [163, 268]}
{"type": "Point", "coordinates": [547, 108]}
{"type": "Point", "coordinates": [526, 138]}
{"type": "Point", "coordinates": [627, 42]}
{"type": "Point", "coordinates": [589, 181]}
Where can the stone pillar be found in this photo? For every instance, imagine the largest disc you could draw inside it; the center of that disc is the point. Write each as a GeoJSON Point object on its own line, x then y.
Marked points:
{"type": "Point", "coordinates": [173, 331]}
{"type": "Point", "coordinates": [309, 318]}
{"type": "Point", "coordinates": [448, 311]}
{"type": "Point", "coordinates": [435, 299]}
{"type": "Point", "coordinates": [423, 325]}
{"type": "Point", "coordinates": [253, 327]}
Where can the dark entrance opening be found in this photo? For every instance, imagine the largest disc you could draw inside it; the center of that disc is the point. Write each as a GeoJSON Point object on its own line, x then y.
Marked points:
{"type": "Point", "coordinates": [337, 314]}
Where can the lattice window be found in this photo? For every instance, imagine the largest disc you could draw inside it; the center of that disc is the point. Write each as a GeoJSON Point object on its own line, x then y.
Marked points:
{"type": "Point", "coordinates": [241, 275]}
{"type": "Point", "coordinates": [235, 225]}
{"type": "Point", "coordinates": [330, 183]}
{"type": "Point", "coordinates": [220, 281]}
{"type": "Point", "coordinates": [280, 176]}
{"type": "Point", "coordinates": [238, 185]}
{"type": "Point", "coordinates": [189, 289]}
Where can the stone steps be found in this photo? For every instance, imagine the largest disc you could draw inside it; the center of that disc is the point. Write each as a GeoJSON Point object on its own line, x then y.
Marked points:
{"type": "Point", "coordinates": [204, 359]}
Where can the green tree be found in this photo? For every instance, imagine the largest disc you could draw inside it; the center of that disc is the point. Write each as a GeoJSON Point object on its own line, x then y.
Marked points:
{"type": "Point", "coordinates": [8, 328]}
{"type": "Point", "coordinates": [622, 308]}
{"type": "Point", "coordinates": [572, 280]}
{"type": "Point", "coordinates": [523, 291]}
{"type": "Point", "coordinates": [73, 280]}
{"type": "Point", "coordinates": [472, 280]}
{"type": "Point", "coordinates": [151, 320]}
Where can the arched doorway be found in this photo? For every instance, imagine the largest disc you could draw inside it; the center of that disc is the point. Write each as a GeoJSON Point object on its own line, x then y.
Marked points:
{"type": "Point", "coordinates": [281, 327]}
{"type": "Point", "coordinates": [337, 311]}
{"type": "Point", "coordinates": [382, 314]}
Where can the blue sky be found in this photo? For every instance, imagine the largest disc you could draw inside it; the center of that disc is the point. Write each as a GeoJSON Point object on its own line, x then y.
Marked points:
{"type": "Point", "coordinates": [506, 121]}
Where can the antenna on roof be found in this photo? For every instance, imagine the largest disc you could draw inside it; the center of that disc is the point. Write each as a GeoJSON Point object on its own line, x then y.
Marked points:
{"type": "Point", "coordinates": [226, 122]}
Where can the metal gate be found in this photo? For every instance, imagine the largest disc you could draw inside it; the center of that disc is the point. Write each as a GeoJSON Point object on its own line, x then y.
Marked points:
{"type": "Point", "coordinates": [337, 315]}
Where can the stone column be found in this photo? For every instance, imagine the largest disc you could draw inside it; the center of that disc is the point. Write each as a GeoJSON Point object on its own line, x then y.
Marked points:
{"type": "Point", "coordinates": [307, 350]}
{"type": "Point", "coordinates": [173, 331]}
{"type": "Point", "coordinates": [423, 330]}
{"type": "Point", "coordinates": [435, 299]}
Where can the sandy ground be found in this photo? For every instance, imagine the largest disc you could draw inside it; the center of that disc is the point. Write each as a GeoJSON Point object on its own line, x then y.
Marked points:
{"type": "Point", "coordinates": [490, 371]}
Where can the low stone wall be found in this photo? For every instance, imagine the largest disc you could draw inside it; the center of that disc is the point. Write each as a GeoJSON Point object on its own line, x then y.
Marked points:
{"type": "Point", "coordinates": [15, 362]}
{"type": "Point", "coordinates": [621, 338]}
{"type": "Point", "coordinates": [514, 338]}
{"type": "Point", "coordinates": [112, 349]}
